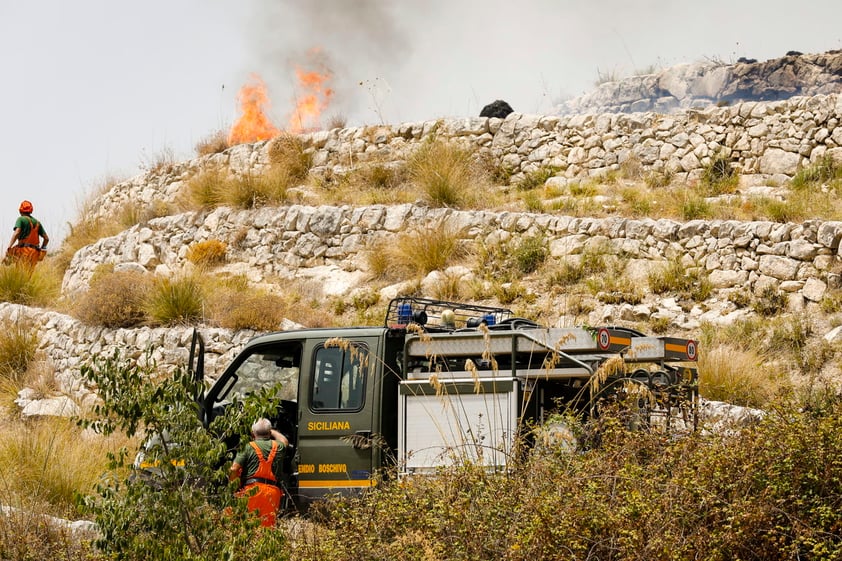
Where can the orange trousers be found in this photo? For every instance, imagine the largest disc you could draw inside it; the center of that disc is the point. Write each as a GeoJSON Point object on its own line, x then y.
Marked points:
{"type": "Point", "coordinates": [263, 498]}
{"type": "Point", "coordinates": [25, 255]}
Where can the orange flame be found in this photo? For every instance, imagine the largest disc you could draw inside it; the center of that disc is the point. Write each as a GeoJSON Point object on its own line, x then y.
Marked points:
{"type": "Point", "coordinates": [317, 95]}
{"type": "Point", "coordinates": [253, 124]}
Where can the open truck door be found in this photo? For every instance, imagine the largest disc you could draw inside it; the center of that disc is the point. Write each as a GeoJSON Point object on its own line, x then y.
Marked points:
{"type": "Point", "coordinates": [340, 401]}
{"type": "Point", "coordinates": [196, 368]}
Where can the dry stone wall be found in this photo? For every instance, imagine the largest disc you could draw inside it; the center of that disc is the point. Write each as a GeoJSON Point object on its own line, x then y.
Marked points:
{"type": "Point", "coordinates": [328, 243]}
{"type": "Point", "coordinates": [765, 141]}
{"type": "Point", "coordinates": [65, 344]}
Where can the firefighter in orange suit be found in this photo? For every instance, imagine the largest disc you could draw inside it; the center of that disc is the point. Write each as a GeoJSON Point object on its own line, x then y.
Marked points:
{"type": "Point", "coordinates": [259, 468]}
{"type": "Point", "coordinates": [25, 245]}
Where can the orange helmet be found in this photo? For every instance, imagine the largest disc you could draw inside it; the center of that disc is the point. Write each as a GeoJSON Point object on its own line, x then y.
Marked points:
{"type": "Point", "coordinates": [25, 207]}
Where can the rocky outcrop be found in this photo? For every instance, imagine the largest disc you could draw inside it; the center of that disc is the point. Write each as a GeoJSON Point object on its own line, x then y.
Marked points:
{"type": "Point", "coordinates": [702, 84]}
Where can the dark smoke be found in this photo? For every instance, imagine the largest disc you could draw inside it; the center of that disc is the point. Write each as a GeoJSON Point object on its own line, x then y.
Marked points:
{"type": "Point", "coordinates": [361, 43]}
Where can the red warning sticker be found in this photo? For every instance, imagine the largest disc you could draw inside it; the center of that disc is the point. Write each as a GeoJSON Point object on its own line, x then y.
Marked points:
{"type": "Point", "coordinates": [691, 349]}
{"type": "Point", "coordinates": [603, 339]}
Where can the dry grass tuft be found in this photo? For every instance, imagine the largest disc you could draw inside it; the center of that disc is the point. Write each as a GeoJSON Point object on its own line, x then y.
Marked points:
{"type": "Point", "coordinates": [177, 300]}
{"type": "Point", "coordinates": [288, 153]}
{"type": "Point", "coordinates": [214, 143]}
{"type": "Point", "coordinates": [51, 459]}
{"type": "Point", "coordinates": [207, 253]}
{"type": "Point", "coordinates": [448, 175]}
{"type": "Point", "coordinates": [21, 284]}
{"type": "Point", "coordinates": [415, 253]}
{"type": "Point", "coordinates": [234, 304]}
{"type": "Point", "coordinates": [208, 187]}
{"type": "Point", "coordinates": [18, 343]}
{"type": "Point", "coordinates": [738, 375]}
{"type": "Point", "coordinates": [115, 299]}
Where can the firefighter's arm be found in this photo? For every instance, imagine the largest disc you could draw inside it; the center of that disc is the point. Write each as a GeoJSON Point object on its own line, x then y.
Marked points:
{"type": "Point", "coordinates": [276, 435]}
{"type": "Point", "coordinates": [45, 237]}
{"type": "Point", "coordinates": [235, 472]}
{"type": "Point", "coordinates": [14, 238]}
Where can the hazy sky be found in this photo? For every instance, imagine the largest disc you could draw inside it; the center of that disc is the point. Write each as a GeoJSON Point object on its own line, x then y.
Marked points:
{"type": "Point", "coordinates": [93, 89]}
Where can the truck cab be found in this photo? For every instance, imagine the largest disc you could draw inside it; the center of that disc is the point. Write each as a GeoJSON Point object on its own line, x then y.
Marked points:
{"type": "Point", "coordinates": [337, 407]}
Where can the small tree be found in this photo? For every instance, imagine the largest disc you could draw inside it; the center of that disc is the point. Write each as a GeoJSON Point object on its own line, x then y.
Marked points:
{"type": "Point", "coordinates": [179, 505]}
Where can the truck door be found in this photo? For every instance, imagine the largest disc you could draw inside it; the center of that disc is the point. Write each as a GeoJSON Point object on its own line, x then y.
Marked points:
{"type": "Point", "coordinates": [338, 403]}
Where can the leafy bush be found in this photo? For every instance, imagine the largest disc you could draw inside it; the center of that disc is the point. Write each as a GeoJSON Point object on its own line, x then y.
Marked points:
{"type": "Point", "coordinates": [207, 252]}
{"type": "Point", "coordinates": [174, 301]}
{"type": "Point", "coordinates": [185, 508]}
{"type": "Point", "coordinates": [767, 491]}
{"type": "Point", "coordinates": [115, 299]}
{"type": "Point", "coordinates": [529, 253]}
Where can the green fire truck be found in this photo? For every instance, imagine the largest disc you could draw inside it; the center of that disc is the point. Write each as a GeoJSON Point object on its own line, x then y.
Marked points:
{"type": "Point", "coordinates": [441, 382]}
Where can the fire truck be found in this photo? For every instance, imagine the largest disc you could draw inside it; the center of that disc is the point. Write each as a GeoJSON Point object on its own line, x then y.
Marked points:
{"type": "Point", "coordinates": [442, 382]}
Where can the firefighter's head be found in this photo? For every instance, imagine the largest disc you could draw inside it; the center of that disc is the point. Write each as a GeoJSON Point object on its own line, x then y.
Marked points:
{"type": "Point", "coordinates": [25, 207]}
{"type": "Point", "coordinates": [262, 428]}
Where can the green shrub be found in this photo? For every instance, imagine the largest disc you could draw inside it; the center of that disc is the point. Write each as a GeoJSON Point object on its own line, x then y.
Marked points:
{"type": "Point", "coordinates": [115, 299]}
{"type": "Point", "coordinates": [529, 253]}
{"type": "Point", "coordinates": [532, 202]}
{"type": "Point", "coordinates": [188, 495]}
{"type": "Point", "coordinates": [207, 252]}
{"type": "Point", "coordinates": [174, 301]}
{"type": "Point", "coordinates": [765, 491]}
{"type": "Point", "coordinates": [824, 170]}
{"type": "Point", "coordinates": [694, 207]}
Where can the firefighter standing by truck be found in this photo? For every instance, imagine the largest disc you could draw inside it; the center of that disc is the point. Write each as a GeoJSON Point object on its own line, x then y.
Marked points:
{"type": "Point", "coordinates": [25, 246]}
{"type": "Point", "coordinates": [259, 468]}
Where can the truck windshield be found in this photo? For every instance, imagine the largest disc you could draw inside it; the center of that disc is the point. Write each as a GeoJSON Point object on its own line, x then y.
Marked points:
{"type": "Point", "coordinates": [265, 368]}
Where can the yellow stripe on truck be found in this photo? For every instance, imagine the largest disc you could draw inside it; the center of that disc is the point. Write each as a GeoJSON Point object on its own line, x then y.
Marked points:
{"type": "Point", "coordinates": [676, 348]}
{"type": "Point", "coordinates": [626, 341]}
{"type": "Point", "coordinates": [316, 483]}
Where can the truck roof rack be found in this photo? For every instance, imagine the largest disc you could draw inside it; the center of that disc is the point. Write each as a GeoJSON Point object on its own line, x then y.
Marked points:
{"type": "Point", "coordinates": [441, 315]}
